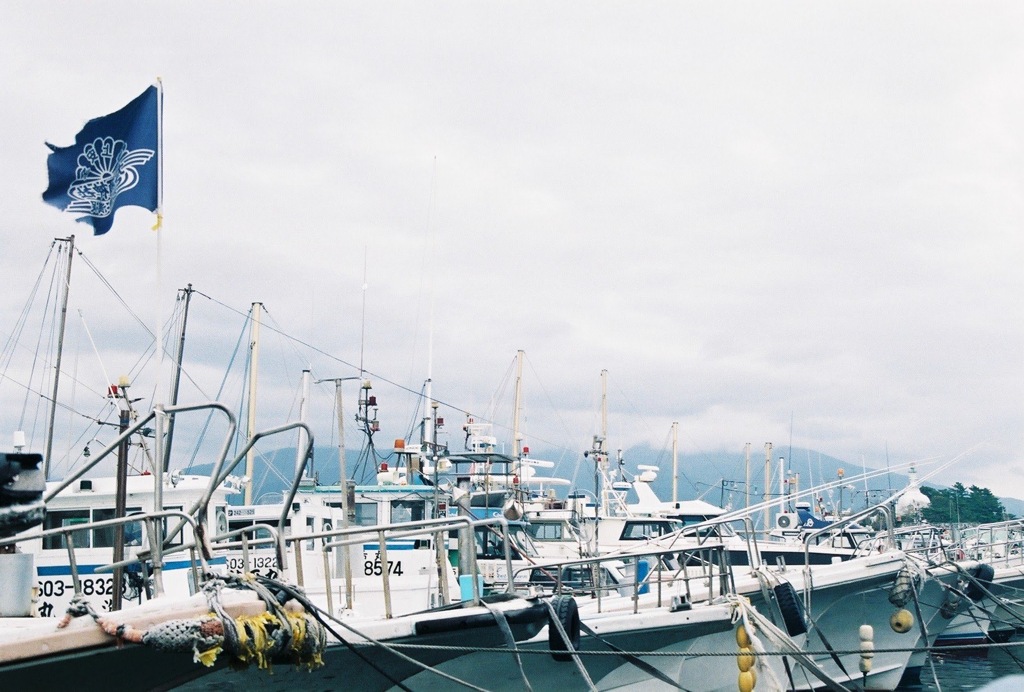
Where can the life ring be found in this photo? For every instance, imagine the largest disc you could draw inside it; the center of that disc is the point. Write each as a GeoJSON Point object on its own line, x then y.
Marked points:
{"type": "Point", "coordinates": [791, 608]}
{"type": "Point", "coordinates": [981, 580]}
{"type": "Point", "coordinates": [564, 608]}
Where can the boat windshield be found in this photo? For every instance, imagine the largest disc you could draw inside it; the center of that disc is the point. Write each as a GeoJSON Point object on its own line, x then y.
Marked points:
{"type": "Point", "coordinates": [490, 543]}
{"type": "Point", "coordinates": [551, 531]}
{"type": "Point", "coordinates": [640, 529]}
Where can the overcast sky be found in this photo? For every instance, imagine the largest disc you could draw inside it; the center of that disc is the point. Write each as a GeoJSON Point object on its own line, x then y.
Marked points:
{"type": "Point", "coordinates": [787, 222]}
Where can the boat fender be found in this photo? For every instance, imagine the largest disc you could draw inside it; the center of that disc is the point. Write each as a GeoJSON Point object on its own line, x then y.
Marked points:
{"type": "Point", "coordinates": [900, 594]}
{"type": "Point", "coordinates": [950, 604]}
{"type": "Point", "coordinates": [564, 608]}
{"type": "Point", "coordinates": [980, 582]}
{"type": "Point", "coordinates": [222, 522]}
{"type": "Point", "coordinates": [867, 647]}
{"type": "Point", "coordinates": [901, 621]}
{"type": "Point", "coordinates": [791, 608]}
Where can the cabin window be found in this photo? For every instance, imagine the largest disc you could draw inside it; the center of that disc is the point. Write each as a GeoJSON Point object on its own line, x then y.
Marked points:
{"type": "Point", "coordinates": [639, 530]}
{"type": "Point", "coordinates": [366, 514]}
{"type": "Point", "coordinates": [64, 519]}
{"type": "Point", "coordinates": [546, 532]}
{"type": "Point", "coordinates": [236, 525]}
{"type": "Point", "coordinates": [406, 510]}
{"type": "Point", "coordinates": [104, 537]}
{"type": "Point", "coordinates": [491, 545]}
{"type": "Point", "coordinates": [310, 524]}
{"type": "Point", "coordinates": [97, 538]}
{"type": "Point", "coordinates": [171, 522]}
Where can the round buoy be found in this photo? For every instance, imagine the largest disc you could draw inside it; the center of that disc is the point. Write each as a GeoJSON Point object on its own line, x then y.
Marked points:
{"type": "Point", "coordinates": [742, 638]}
{"type": "Point", "coordinates": [901, 621]}
{"type": "Point", "coordinates": [745, 659]}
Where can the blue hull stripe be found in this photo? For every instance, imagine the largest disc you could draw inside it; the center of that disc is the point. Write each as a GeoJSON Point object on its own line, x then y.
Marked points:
{"type": "Point", "coordinates": [65, 570]}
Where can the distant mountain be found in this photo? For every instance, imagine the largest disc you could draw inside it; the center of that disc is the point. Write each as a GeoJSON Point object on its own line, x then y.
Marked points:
{"type": "Point", "coordinates": [716, 477]}
{"type": "Point", "coordinates": [719, 477]}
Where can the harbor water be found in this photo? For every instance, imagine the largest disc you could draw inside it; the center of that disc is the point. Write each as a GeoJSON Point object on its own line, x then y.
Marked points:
{"type": "Point", "coordinates": [970, 671]}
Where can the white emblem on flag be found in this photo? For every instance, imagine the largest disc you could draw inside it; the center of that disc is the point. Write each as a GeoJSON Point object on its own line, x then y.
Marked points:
{"type": "Point", "coordinates": [106, 168]}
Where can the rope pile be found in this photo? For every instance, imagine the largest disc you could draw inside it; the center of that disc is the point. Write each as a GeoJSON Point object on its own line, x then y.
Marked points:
{"type": "Point", "coordinates": [282, 631]}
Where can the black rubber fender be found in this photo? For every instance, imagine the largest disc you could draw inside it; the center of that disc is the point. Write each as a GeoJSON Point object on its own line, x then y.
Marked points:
{"type": "Point", "coordinates": [981, 582]}
{"type": "Point", "coordinates": [791, 608]}
{"type": "Point", "coordinates": [568, 614]}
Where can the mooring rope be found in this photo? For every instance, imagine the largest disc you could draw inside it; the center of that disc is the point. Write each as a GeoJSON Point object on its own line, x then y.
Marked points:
{"type": "Point", "coordinates": [257, 638]}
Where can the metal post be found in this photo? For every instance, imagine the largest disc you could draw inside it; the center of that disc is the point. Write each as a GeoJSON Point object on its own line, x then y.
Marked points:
{"type": "Point", "coordinates": [254, 345]}
{"type": "Point", "coordinates": [60, 349]}
{"type": "Point", "coordinates": [176, 381]}
{"type": "Point", "coordinates": [346, 567]}
{"type": "Point", "coordinates": [120, 497]}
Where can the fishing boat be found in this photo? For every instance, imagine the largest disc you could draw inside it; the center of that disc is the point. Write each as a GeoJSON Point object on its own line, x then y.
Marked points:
{"type": "Point", "coordinates": [999, 589]}
{"type": "Point", "coordinates": [162, 638]}
{"type": "Point", "coordinates": [169, 642]}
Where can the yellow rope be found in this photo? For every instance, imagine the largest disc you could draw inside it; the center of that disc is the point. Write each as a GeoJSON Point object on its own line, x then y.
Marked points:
{"type": "Point", "coordinates": [254, 641]}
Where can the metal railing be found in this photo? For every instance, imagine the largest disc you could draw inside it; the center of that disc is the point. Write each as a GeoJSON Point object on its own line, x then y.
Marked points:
{"type": "Point", "coordinates": [672, 569]}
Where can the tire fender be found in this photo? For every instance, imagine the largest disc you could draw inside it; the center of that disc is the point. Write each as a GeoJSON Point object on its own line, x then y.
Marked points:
{"type": "Point", "coordinates": [791, 608]}
{"type": "Point", "coordinates": [565, 609]}
{"type": "Point", "coordinates": [981, 582]}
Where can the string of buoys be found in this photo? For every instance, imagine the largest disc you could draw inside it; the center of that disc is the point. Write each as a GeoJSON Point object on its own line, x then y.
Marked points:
{"type": "Point", "coordinates": [745, 660]}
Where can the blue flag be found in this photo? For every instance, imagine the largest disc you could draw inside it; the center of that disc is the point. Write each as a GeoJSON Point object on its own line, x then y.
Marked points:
{"type": "Point", "coordinates": [113, 163]}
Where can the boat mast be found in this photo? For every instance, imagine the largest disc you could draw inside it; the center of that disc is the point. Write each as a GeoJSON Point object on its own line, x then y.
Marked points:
{"type": "Point", "coordinates": [783, 486]}
{"type": "Point", "coordinates": [767, 484]}
{"type": "Point", "coordinates": [176, 380]}
{"type": "Point", "coordinates": [300, 449]}
{"type": "Point", "coordinates": [343, 482]}
{"type": "Point", "coordinates": [60, 349]}
{"type": "Point", "coordinates": [427, 435]}
{"type": "Point", "coordinates": [254, 345]}
{"type": "Point", "coordinates": [602, 456]}
{"type": "Point", "coordinates": [675, 462]}
{"type": "Point", "coordinates": [517, 405]}
{"type": "Point", "coordinates": [119, 392]}
{"type": "Point", "coordinates": [746, 485]}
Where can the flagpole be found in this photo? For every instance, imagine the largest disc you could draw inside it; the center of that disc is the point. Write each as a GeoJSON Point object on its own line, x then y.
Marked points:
{"type": "Point", "coordinates": [160, 463]}
{"type": "Point", "coordinates": [160, 152]}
